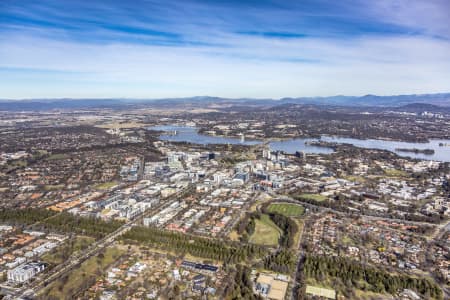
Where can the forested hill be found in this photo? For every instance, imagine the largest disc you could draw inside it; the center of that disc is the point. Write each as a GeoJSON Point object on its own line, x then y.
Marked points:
{"type": "Point", "coordinates": [438, 100]}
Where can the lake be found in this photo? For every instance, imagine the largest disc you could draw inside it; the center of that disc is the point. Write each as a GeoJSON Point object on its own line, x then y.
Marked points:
{"type": "Point", "coordinates": [190, 134]}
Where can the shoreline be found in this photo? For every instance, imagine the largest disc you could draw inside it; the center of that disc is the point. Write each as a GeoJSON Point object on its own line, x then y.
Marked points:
{"type": "Point", "coordinates": [281, 139]}
{"type": "Point", "coordinates": [202, 131]}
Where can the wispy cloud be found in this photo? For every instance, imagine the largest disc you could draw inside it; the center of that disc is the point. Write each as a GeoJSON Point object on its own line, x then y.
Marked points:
{"type": "Point", "coordinates": [430, 17]}
{"type": "Point", "coordinates": [228, 48]}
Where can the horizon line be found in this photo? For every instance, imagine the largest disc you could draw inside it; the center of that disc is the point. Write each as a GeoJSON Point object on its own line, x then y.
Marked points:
{"type": "Point", "coordinates": [221, 97]}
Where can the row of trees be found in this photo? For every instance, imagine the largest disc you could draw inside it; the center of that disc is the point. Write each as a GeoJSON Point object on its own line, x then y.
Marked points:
{"type": "Point", "coordinates": [90, 226]}
{"type": "Point", "coordinates": [194, 245]}
{"type": "Point", "coordinates": [43, 219]}
{"type": "Point", "coordinates": [241, 287]}
{"type": "Point", "coordinates": [25, 216]}
{"type": "Point", "coordinates": [246, 226]}
{"type": "Point", "coordinates": [287, 226]}
{"type": "Point", "coordinates": [358, 275]}
{"type": "Point", "coordinates": [250, 228]}
{"type": "Point", "coordinates": [282, 261]}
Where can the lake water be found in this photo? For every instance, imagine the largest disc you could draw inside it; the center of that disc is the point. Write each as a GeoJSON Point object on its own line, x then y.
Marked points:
{"type": "Point", "coordinates": [190, 134]}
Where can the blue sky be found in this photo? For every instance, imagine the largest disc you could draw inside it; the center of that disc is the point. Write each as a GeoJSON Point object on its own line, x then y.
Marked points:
{"type": "Point", "coordinates": [155, 49]}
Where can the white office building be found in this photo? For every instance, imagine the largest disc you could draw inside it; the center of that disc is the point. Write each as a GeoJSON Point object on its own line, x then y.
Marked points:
{"type": "Point", "coordinates": [25, 272]}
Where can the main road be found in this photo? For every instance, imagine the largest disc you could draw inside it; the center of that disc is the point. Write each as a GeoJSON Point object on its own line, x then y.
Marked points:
{"type": "Point", "coordinates": [37, 286]}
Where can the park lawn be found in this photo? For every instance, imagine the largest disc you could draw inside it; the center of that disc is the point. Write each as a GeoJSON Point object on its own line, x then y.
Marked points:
{"type": "Point", "coordinates": [266, 232]}
{"type": "Point", "coordinates": [106, 185]}
{"type": "Point", "coordinates": [201, 260]}
{"type": "Point", "coordinates": [287, 209]}
{"type": "Point", "coordinates": [54, 187]}
{"type": "Point", "coordinates": [64, 288]}
{"type": "Point", "coordinates": [395, 173]}
{"type": "Point", "coordinates": [234, 235]}
{"type": "Point", "coordinates": [327, 283]}
{"type": "Point", "coordinates": [15, 164]}
{"type": "Point", "coordinates": [124, 125]}
{"type": "Point", "coordinates": [346, 240]}
{"type": "Point", "coordinates": [368, 295]}
{"type": "Point", "coordinates": [68, 248]}
{"type": "Point", "coordinates": [20, 163]}
{"type": "Point", "coordinates": [298, 234]}
{"type": "Point", "coordinates": [359, 179]}
{"type": "Point", "coordinates": [185, 256]}
{"type": "Point", "coordinates": [315, 197]}
{"type": "Point", "coordinates": [57, 156]}
{"type": "Point", "coordinates": [320, 292]}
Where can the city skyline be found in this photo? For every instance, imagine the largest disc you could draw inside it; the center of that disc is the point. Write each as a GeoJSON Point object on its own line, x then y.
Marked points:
{"type": "Point", "coordinates": [225, 149]}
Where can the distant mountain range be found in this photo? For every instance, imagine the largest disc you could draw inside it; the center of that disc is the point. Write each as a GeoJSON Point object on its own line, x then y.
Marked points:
{"type": "Point", "coordinates": [442, 99]}
{"type": "Point", "coordinates": [434, 101]}
{"type": "Point", "coordinates": [421, 107]}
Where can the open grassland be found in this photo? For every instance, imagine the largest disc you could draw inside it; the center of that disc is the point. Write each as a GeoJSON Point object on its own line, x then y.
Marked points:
{"type": "Point", "coordinates": [106, 185]}
{"type": "Point", "coordinates": [320, 292]}
{"type": "Point", "coordinates": [395, 173]}
{"type": "Point", "coordinates": [58, 156]}
{"type": "Point", "coordinates": [63, 252]}
{"type": "Point", "coordinates": [298, 234]}
{"type": "Point", "coordinates": [54, 187]}
{"type": "Point", "coordinates": [78, 279]}
{"type": "Point", "coordinates": [325, 290]}
{"type": "Point", "coordinates": [123, 125]}
{"type": "Point", "coordinates": [287, 209]}
{"type": "Point", "coordinates": [234, 236]}
{"type": "Point", "coordinates": [354, 178]}
{"type": "Point", "coordinates": [315, 197]}
{"type": "Point", "coordinates": [266, 232]}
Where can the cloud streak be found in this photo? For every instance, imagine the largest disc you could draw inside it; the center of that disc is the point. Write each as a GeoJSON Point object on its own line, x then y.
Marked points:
{"type": "Point", "coordinates": [233, 49]}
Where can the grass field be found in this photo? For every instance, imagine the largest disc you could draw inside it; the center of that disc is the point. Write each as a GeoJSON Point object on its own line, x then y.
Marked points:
{"type": "Point", "coordinates": [326, 286]}
{"type": "Point", "coordinates": [65, 287]}
{"type": "Point", "coordinates": [122, 125]}
{"type": "Point", "coordinates": [315, 197]}
{"type": "Point", "coordinates": [287, 209]}
{"type": "Point", "coordinates": [234, 236]}
{"type": "Point", "coordinates": [346, 240]}
{"type": "Point", "coordinates": [266, 232]}
{"type": "Point", "coordinates": [10, 165]}
{"type": "Point", "coordinates": [58, 156]}
{"type": "Point", "coordinates": [359, 179]}
{"type": "Point", "coordinates": [395, 173]}
{"type": "Point", "coordinates": [320, 292]}
{"type": "Point", "coordinates": [297, 236]}
{"type": "Point", "coordinates": [106, 185]}
{"type": "Point", "coordinates": [53, 187]}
